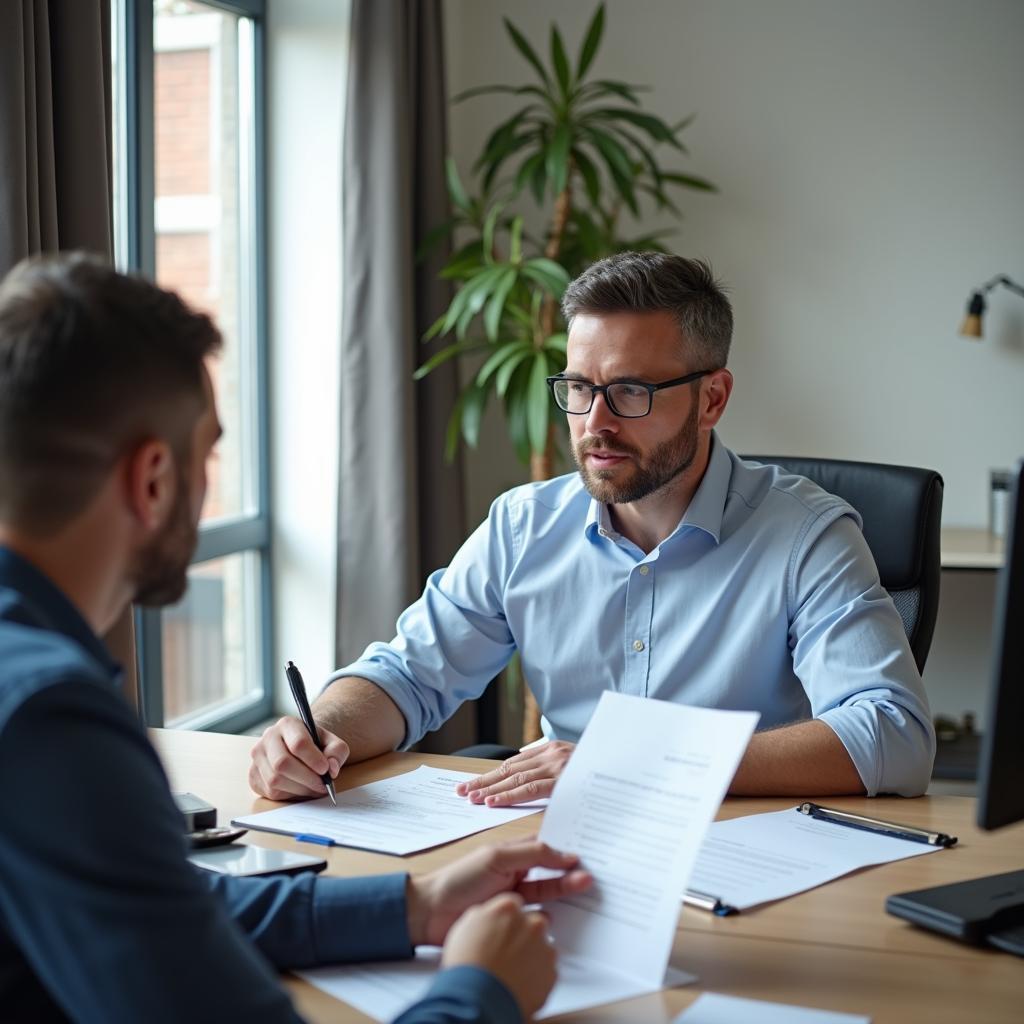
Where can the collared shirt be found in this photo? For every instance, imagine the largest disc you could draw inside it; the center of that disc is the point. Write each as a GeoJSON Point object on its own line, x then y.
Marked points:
{"type": "Point", "coordinates": [102, 919]}
{"type": "Point", "coordinates": [765, 597]}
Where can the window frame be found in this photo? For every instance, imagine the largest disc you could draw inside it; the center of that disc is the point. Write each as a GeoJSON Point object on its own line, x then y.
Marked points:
{"type": "Point", "coordinates": [231, 534]}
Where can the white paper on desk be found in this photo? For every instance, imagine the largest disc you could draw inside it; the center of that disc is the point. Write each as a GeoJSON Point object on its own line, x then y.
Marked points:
{"type": "Point", "coordinates": [712, 1008]}
{"type": "Point", "coordinates": [634, 802]}
{"type": "Point", "coordinates": [406, 813]}
{"type": "Point", "coordinates": [761, 857]}
{"type": "Point", "coordinates": [384, 990]}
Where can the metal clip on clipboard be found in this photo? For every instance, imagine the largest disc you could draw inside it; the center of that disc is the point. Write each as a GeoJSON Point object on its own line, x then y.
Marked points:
{"type": "Point", "coordinates": [876, 825]}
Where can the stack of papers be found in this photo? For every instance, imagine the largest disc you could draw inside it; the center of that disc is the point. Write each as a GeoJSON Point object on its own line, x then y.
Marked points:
{"type": "Point", "coordinates": [762, 857]}
{"type": "Point", "coordinates": [634, 802]}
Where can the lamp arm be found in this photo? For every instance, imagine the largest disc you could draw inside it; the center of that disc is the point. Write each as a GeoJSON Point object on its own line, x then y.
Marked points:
{"type": "Point", "coordinates": [1005, 282]}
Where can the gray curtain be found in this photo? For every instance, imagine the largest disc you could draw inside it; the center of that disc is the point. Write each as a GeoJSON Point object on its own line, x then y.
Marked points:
{"type": "Point", "coordinates": [400, 507]}
{"type": "Point", "coordinates": [55, 154]}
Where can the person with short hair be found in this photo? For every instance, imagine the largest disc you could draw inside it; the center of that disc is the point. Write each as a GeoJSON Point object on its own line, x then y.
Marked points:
{"type": "Point", "coordinates": [107, 420]}
{"type": "Point", "coordinates": [666, 567]}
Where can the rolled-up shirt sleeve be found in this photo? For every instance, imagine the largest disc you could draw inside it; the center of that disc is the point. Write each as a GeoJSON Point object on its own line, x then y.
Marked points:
{"type": "Point", "coordinates": [454, 639]}
{"type": "Point", "coordinates": [851, 653]}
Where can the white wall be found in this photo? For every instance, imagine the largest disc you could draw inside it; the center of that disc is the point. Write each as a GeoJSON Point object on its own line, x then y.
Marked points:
{"type": "Point", "coordinates": [307, 48]}
{"type": "Point", "coordinates": [870, 158]}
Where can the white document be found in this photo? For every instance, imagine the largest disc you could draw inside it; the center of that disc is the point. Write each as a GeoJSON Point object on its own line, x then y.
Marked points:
{"type": "Point", "coordinates": [403, 814]}
{"type": "Point", "coordinates": [762, 857]}
{"type": "Point", "coordinates": [715, 1009]}
{"type": "Point", "coordinates": [634, 802]}
{"type": "Point", "coordinates": [384, 990]}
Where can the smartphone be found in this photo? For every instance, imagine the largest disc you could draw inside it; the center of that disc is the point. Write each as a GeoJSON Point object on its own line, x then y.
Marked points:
{"type": "Point", "coordinates": [219, 835]}
{"type": "Point", "coordinates": [238, 859]}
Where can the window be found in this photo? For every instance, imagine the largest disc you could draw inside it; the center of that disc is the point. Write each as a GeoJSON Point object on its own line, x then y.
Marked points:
{"type": "Point", "coordinates": [189, 213]}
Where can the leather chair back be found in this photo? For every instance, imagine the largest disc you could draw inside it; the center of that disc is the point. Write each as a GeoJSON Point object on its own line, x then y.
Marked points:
{"type": "Point", "coordinates": [902, 510]}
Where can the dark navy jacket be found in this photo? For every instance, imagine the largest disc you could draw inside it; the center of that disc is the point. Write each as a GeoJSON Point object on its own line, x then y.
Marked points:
{"type": "Point", "coordinates": [102, 919]}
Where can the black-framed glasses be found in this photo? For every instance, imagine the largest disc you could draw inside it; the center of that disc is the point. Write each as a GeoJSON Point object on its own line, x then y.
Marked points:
{"type": "Point", "coordinates": [627, 399]}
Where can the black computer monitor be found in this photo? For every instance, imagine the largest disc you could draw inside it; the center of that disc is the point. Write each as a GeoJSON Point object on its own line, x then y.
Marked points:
{"type": "Point", "coordinates": [1001, 765]}
{"type": "Point", "coordinates": [990, 910]}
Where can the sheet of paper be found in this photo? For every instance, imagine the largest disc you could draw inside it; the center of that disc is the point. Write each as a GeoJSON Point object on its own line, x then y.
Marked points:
{"type": "Point", "coordinates": [634, 802]}
{"type": "Point", "coordinates": [403, 814]}
{"type": "Point", "coordinates": [762, 857]}
{"type": "Point", "coordinates": [384, 990]}
{"type": "Point", "coordinates": [711, 1008]}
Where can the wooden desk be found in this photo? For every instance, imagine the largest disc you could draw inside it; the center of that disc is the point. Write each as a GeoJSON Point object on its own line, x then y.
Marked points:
{"type": "Point", "coordinates": [965, 548]}
{"type": "Point", "coordinates": [833, 947]}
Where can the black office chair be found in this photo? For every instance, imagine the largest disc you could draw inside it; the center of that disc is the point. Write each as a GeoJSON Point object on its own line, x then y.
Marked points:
{"type": "Point", "coordinates": [902, 509]}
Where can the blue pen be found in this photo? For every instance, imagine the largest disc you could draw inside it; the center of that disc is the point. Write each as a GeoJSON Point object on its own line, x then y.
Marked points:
{"type": "Point", "coordinates": [308, 837]}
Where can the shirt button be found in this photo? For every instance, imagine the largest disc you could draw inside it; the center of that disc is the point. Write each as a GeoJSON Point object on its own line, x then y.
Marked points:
{"type": "Point", "coordinates": [638, 645]}
{"type": "Point", "coordinates": [604, 533]}
{"type": "Point", "coordinates": [644, 570]}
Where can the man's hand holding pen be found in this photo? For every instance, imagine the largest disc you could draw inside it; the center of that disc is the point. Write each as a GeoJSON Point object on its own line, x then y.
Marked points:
{"type": "Point", "coordinates": [286, 764]}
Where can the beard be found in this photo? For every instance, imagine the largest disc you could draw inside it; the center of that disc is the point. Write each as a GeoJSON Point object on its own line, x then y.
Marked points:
{"type": "Point", "coordinates": [160, 571]}
{"type": "Point", "coordinates": [650, 473]}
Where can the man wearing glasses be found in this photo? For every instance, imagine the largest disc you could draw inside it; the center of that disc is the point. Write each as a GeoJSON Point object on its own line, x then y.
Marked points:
{"type": "Point", "coordinates": [666, 568]}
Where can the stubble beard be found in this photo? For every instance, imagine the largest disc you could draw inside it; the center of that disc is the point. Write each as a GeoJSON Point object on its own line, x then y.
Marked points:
{"type": "Point", "coordinates": [665, 462]}
{"type": "Point", "coordinates": [161, 568]}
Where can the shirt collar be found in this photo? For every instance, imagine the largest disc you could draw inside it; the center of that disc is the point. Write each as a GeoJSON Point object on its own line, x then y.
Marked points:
{"type": "Point", "coordinates": [52, 609]}
{"type": "Point", "coordinates": [706, 507]}
{"type": "Point", "coordinates": [599, 520]}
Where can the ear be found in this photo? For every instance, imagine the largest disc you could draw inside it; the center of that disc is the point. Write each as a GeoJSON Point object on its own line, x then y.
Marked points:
{"type": "Point", "coordinates": [152, 482]}
{"type": "Point", "coordinates": [715, 397]}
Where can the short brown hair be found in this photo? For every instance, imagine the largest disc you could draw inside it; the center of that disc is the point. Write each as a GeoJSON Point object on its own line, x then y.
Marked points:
{"type": "Point", "coordinates": [92, 362]}
{"type": "Point", "coordinates": [655, 282]}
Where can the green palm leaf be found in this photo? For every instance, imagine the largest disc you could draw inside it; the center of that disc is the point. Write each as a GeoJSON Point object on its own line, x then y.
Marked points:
{"type": "Point", "coordinates": [620, 167]}
{"type": "Point", "coordinates": [654, 126]}
{"type": "Point", "coordinates": [557, 159]}
{"type": "Point", "coordinates": [538, 405]}
{"type": "Point", "coordinates": [509, 367]}
{"type": "Point", "coordinates": [498, 359]}
{"type": "Point", "coordinates": [473, 412]}
{"type": "Point", "coordinates": [496, 303]}
{"type": "Point", "coordinates": [591, 179]}
{"type": "Point", "coordinates": [689, 181]}
{"type": "Point", "coordinates": [519, 40]}
{"type": "Point", "coordinates": [591, 42]}
{"type": "Point", "coordinates": [560, 62]}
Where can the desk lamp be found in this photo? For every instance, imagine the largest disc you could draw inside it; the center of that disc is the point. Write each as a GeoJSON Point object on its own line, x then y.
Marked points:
{"type": "Point", "coordinates": [971, 327]}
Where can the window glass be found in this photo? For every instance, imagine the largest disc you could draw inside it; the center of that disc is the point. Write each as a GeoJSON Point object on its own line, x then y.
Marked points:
{"type": "Point", "coordinates": [203, 88]}
{"type": "Point", "coordinates": [210, 640]}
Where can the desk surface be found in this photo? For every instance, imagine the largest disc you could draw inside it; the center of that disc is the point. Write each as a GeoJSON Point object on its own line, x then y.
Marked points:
{"type": "Point", "coordinates": [965, 548]}
{"type": "Point", "coordinates": [833, 947]}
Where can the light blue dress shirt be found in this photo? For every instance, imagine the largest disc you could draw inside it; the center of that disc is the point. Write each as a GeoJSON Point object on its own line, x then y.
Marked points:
{"type": "Point", "coordinates": [765, 598]}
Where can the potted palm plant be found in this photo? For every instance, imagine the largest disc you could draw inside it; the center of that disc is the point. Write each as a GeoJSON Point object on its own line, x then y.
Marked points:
{"type": "Point", "coordinates": [587, 152]}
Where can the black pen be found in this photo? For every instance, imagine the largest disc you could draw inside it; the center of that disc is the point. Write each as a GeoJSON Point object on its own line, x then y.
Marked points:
{"type": "Point", "coordinates": [876, 825]}
{"type": "Point", "coordinates": [704, 901]}
{"type": "Point", "coordinates": [298, 688]}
